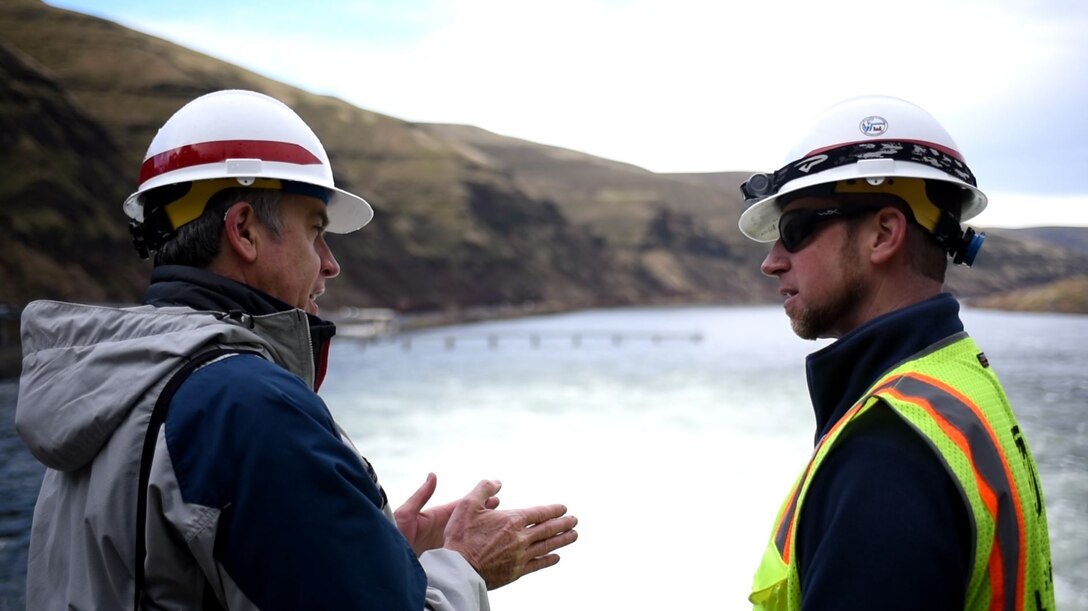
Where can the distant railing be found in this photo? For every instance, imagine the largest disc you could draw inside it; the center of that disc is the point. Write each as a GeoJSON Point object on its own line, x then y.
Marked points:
{"type": "Point", "coordinates": [535, 339]}
{"type": "Point", "coordinates": [365, 323]}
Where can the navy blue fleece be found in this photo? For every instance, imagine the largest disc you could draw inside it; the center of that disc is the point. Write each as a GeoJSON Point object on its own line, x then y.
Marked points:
{"type": "Point", "coordinates": [883, 525]}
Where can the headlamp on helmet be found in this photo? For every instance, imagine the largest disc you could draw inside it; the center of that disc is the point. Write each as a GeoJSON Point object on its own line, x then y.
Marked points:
{"type": "Point", "coordinates": [757, 187]}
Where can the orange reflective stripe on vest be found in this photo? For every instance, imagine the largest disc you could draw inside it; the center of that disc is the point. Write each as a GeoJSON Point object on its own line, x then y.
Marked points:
{"type": "Point", "coordinates": [957, 416]}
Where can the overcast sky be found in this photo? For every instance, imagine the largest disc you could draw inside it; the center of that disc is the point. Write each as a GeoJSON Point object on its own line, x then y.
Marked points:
{"type": "Point", "coordinates": [685, 85]}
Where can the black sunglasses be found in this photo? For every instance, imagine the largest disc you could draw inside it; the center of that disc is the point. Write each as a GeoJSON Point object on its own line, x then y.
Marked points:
{"type": "Point", "coordinates": [795, 227]}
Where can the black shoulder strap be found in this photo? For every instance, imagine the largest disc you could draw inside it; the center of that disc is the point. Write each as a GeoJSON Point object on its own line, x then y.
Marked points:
{"type": "Point", "coordinates": [158, 417]}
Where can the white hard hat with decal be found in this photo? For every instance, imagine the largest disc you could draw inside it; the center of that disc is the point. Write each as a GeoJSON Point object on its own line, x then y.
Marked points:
{"type": "Point", "coordinates": [868, 137]}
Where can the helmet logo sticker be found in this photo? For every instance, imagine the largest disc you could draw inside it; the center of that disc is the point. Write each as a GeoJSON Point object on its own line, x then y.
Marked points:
{"type": "Point", "coordinates": [873, 126]}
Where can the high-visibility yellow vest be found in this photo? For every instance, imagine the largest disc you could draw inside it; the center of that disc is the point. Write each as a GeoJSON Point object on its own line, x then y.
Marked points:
{"type": "Point", "coordinates": [952, 398]}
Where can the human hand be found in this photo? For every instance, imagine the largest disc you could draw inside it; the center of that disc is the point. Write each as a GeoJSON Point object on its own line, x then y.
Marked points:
{"type": "Point", "coordinates": [424, 529]}
{"type": "Point", "coordinates": [504, 545]}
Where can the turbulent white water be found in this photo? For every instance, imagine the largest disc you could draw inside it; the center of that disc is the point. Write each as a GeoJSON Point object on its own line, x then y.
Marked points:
{"type": "Point", "coordinates": [674, 454]}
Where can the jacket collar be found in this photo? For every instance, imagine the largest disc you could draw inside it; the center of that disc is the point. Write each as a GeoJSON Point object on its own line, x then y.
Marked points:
{"type": "Point", "coordinates": [179, 285]}
{"type": "Point", "coordinates": [841, 372]}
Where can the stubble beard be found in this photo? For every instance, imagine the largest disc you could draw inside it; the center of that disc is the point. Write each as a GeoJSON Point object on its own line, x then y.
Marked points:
{"type": "Point", "coordinates": [822, 321]}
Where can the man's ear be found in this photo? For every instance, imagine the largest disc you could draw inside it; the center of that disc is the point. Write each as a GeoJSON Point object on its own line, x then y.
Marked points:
{"type": "Point", "coordinates": [239, 231]}
{"type": "Point", "coordinates": [889, 235]}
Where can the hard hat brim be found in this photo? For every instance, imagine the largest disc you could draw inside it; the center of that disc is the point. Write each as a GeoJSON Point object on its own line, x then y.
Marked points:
{"type": "Point", "coordinates": [759, 222]}
{"type": "Point", "coordinates": [347, 212]}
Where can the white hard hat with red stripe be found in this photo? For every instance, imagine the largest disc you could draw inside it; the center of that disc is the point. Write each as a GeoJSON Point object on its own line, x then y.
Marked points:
{"type": "Point", "coordinates": [251, 139]}
{"type": "Point", "coordinates": [868, 137]}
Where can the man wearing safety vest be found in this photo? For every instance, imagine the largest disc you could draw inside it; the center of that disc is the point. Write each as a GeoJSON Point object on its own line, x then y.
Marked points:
{"type": "Point", "coordinates": [922, 492]}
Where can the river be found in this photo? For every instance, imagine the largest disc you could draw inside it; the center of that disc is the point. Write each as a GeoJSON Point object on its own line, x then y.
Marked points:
{"type": "Point", "coordinates": [672, 433]}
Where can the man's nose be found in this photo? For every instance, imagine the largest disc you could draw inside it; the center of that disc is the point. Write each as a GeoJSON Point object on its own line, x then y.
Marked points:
{"type": "Point", "coordinates": [776, 261]}
{"type": "Point", "coordinates": [330, 268]}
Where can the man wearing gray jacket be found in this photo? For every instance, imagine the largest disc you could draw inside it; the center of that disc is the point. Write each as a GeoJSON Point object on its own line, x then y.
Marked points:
{"type": "Point", "coordinates": [191, 464]}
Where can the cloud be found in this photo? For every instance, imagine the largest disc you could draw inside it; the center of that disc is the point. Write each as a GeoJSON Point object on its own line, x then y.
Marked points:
{"type": "Point", "coordinates": [682, 85]}
{"type": "Point", "coordinates": [1011, 209]}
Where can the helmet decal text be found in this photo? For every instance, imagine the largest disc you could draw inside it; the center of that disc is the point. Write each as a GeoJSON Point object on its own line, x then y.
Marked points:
{"type": "Point", "coordinates": [873, 126]}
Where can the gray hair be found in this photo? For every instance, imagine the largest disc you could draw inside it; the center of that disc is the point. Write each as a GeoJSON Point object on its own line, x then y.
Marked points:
{"type": "Point", "coordinates": [197, 242]}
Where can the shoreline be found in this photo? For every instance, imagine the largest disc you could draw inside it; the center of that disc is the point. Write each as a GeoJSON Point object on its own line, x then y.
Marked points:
{"type": "Point", "coordinates": [392, 322]}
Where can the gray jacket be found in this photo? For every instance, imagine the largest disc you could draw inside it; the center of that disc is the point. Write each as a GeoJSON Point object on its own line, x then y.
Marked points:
{"type": "Point", "coordinates": [91, 376]}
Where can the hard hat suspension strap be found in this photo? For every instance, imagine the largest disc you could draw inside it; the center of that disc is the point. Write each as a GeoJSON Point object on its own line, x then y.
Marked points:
{"type": "Point", "coordinates": [759, 186]}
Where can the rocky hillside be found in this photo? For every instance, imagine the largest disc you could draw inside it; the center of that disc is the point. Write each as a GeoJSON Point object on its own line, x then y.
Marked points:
{"type": "Point", "coordinates": [464, 217]}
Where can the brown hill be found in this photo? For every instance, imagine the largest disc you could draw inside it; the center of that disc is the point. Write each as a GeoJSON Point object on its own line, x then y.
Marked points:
{"type": "Point", "coordinates": [1069, 295]}
{"type": "Point", "coordinates": [464, 217]}
{"type": "Point", "coordinates": [449, 232]}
